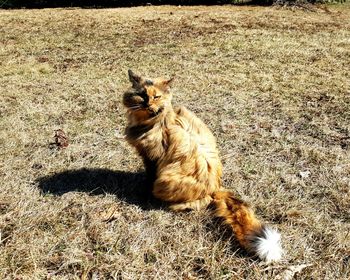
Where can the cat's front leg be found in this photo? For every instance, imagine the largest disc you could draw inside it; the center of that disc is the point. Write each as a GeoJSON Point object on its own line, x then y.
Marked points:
{"type": "Point", "coordinates": [151, 171]}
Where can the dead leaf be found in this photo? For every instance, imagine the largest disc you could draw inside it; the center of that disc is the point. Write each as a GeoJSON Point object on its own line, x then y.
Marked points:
{"type": "Point", "coordinates": [304, 174]}
{"type": "Point", "coordinates": [290, 272]}
{"type": "Point", "coordinates": [60, 138]}
{"type": "Point", "coordinates": [227, 125]}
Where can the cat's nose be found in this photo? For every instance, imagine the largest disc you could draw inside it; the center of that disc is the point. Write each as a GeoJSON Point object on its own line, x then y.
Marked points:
{"type": "Point", "coordinates": [152, 109]}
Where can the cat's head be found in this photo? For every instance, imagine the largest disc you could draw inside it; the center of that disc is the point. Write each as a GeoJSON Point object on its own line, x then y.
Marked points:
{"type": "Point", "coordinates": [147, 97]}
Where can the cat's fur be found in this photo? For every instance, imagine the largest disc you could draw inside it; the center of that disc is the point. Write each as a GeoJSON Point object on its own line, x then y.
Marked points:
{"type": "Point", "coordinates": [182, 163]}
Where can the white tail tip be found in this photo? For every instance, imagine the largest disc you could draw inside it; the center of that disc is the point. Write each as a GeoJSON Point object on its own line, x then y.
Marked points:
{"type": "Point", "coordinates": [267, 245]}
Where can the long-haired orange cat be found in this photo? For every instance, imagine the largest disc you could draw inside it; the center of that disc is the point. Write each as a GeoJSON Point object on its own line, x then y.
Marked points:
{"type": "Point", "coordinates": [182, 161]}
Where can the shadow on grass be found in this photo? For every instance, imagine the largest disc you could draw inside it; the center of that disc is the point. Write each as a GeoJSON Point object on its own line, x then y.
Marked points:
{"type": "Point", "coordinates": [130, 187]}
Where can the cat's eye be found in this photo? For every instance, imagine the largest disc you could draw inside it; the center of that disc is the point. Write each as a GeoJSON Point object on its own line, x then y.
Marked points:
{"type": "Point", "coordinates": [157, 97]}
{"type": "Point", "coordinates": [143, 95]}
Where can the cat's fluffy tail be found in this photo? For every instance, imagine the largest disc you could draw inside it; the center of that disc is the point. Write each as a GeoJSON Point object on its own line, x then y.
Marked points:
{"type": "Point", "coordinates": [249, 231]}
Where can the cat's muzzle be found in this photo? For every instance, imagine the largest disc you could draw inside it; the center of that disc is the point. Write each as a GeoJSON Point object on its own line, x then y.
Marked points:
{"type": "Point", "coordinates": [154, 112]}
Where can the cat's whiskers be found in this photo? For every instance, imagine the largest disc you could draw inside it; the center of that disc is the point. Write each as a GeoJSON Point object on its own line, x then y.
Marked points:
{"type": "Point", "coordinates": [135, 108]}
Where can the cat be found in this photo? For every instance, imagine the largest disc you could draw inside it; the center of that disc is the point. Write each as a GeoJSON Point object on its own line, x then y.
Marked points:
{"type": "Point", "coordinates": [182, 163]}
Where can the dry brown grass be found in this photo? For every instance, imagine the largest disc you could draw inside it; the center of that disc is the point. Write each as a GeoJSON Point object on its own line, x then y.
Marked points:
{"type": "Point", "coordinates": [273, 85]}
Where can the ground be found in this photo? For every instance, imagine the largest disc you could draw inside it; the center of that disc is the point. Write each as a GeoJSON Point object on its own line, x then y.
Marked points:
{"type": "Point", "coordinates": [271, 83]}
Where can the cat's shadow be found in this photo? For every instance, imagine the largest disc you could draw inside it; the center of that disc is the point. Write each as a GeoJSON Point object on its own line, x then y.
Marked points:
{"type": "Point", "coordinates": [131, 187]}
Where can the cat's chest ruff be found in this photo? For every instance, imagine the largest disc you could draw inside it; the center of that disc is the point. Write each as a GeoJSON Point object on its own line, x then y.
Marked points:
{"type": "Point", "coordinates": [152, 137]}
{"type": "Point", "coordinates": [143, 133]}
{"type": "Point", "coordinates": [149, 141]}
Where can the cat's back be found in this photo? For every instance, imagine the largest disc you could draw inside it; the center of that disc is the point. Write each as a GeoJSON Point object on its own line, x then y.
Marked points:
{"type": "Point", "coordinates": [194, 128]}
{"type": "Point", "coordinates": [190, 122]}
{"type": "Point", "coordinates": [194, 141]}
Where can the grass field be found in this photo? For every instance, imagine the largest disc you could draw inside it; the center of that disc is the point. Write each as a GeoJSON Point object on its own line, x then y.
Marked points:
{"type": "Point", "coordinates": [273, 85]}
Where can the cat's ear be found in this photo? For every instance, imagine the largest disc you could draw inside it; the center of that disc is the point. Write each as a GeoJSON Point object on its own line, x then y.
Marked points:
{"type": "Point", "coordinates": [134, 79]}
{"type": "Point", "coordinates": [169, 82]}
{"type": "Point", "coordinates": [164, 84]}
